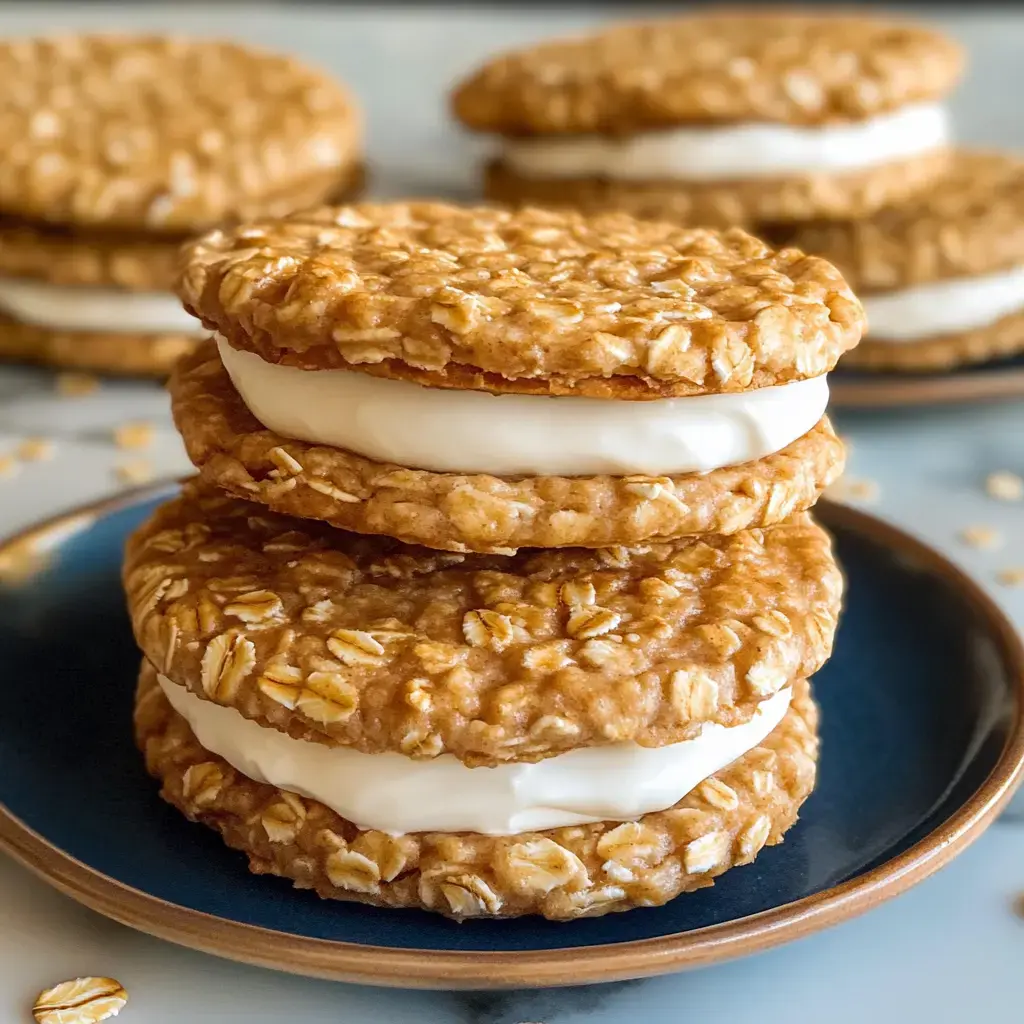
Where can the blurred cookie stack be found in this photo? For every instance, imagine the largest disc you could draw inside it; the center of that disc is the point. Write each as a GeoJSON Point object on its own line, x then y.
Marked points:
{"type": "Point", "coordinates": [116, 149]}
{"type": "Point", "coordinates": [497, 593]}
{"type": "Point", "coordinates": [826, 132]}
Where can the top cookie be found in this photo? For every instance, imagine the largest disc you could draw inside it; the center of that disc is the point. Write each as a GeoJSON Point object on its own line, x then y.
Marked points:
{"type": "Point", "coordinates": [522, 296]}
{"type": "Point", "coordinates": [743, 65]}
{"type": "Point", "coordinates": [163, 133]}
{"type": "Point", "coordinates": [971, 222]}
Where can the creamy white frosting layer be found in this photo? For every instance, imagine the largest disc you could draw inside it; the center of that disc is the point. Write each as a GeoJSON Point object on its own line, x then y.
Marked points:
{"type": "Point", "coordinates": [734, 151]}
{"type": "Point", "coordinates": [81, 308]}
{"type": "Point", "coordinates": [452, 431]}
{"type": "Point", "coordinates": [944, 307]}
{"type": "Point", "coordinates": [393, 793]}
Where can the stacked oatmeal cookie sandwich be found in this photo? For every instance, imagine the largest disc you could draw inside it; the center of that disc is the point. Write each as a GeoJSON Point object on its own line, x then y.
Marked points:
{"type": "Point", "coordinates": [725, 117]}
{"type": "Point", "coordinates": [496, 593]}
{"type": "Point", "coordinates": [116, 149]}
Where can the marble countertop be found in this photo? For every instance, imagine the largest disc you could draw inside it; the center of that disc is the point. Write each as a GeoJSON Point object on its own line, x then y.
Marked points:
{"type": "Point", "coordinates": [948, 951]}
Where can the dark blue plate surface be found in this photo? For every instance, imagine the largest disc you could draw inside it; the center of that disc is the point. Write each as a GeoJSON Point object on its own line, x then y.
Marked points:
{"type": "Point", "coordinates": [919, 713]}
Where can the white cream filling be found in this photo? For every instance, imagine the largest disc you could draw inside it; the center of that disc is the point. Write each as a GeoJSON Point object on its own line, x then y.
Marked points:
{"type": "Point", "coordinates": [81, 308]}
{"type": "Point", "coordinates": [944, 307]}
{"type": "Point", "coordinates": [452, 431]}
{"type": "Point", "coordinates": [393, 793]}
{"type": "Point", "coordinates": [734, 151]}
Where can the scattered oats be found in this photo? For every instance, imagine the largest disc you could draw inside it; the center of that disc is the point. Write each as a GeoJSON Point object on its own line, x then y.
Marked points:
{"type": "Point", "coordinates": [74, 385]}
{"type": "Point", "coordinates": [848, 488]}
{"type": "Point", "coordinates": [1013, 577]}
{"type": "Point", "coordinates": [81, 1001]}
{"type": "Point", "coordinates": [134, 472]}
{"type": "Point", "coordinates": [980, 536]}
{"type": "Point", "coordinates": [9, 466]}
{"type": "Point", "coordinates": [1018, 905]}
{"type": "Point", "coordinates": [35, 449]}
{"type": "Point", "coordinates": [1004, 486]}
{"type": "Point", "coordinates": [134, 436]}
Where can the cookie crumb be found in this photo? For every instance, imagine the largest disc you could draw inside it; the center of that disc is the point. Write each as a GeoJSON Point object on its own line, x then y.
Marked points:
{"type": "Point", "coordinates": [9, 466]}
{"type": "Point", "coordinates": [35, 449]}
{"type": "Point", "coordinates": [980, 536]}
{"type": "Point", "coordinates": [1012, 577]}
{"type": "Point", "coordinates": [847, 489]}
{"type": "Point", "coordinates": [133, 436]}
{"type": "Point", "coordinates": [80, 1001]}
{"type": "Point", "coordinates": [135, 471]}
{"type": "Point", "coordinates": [1004, 486]}
{"type": "Point", "coordinates": [74, 385]}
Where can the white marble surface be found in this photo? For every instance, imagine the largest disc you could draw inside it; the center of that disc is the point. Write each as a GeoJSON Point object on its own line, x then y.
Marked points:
{"type": "Point", "coordinates": [947, 952]}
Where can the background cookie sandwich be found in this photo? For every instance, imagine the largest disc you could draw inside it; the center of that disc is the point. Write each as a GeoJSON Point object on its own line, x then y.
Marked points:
{"type": "Point", "coordinates": [119, 147]}
{"type": "Point", "coordinates": [483, 380]}
{"type": "Point", "coordinates": [721, 117]}
{"type": "Point", "coordinates": [941, 277]}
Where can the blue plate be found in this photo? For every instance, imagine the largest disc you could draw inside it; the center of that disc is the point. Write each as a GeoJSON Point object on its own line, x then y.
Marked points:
{"type": "Point", "coordinates": [997, 379]}
{"type": "Point", "coordinates": [922, 741]}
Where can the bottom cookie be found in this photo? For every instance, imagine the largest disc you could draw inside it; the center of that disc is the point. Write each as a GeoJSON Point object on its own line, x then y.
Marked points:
{"type": "Point", "coordinates": [124, 354]}
{"type": "Point", "coordinates": [1003, 338]}
{"type": "Point", "coordinates": [563, 873]}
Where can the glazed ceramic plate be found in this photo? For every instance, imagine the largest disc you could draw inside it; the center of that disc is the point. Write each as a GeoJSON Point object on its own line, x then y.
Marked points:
{"type": "Point", "coordinates": [859, 389]}
{"type": "Point", "coordinates": [922, 742]}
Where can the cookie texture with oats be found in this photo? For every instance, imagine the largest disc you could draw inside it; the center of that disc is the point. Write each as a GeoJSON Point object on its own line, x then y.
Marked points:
{"type": "Point", "coordinates": [371, 644]}
{"type": "Point", "coordinates": [1005, 337]}
{"type": "Point", "coordinates": [132, 260]}
{"type": "Point", "coordinates": [750, 202]}
{"type": "Point", "coordinates": [522, 294]}
{"type": "Point", "coordinates": [711, 67]}
{"type": "Point", "coordinates": [565, 873]}
{"type": "Point", "coordinates": [165, 134]}
{"type": "Point", "coordinates": [478, 512]}
{"type": "Point", "coordinates": [970, 222]}
{"type": "Point", "coordinates": [130, 354]}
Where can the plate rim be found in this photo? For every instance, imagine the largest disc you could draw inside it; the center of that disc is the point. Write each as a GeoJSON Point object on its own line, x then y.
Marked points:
{"type": "Point", "coordinates": [568, 965]}
{"type": "Point", "coordinates": [884, 389]}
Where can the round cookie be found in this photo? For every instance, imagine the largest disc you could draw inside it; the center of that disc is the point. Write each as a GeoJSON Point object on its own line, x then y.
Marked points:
{"type": "Point", "coordinates": [565, 873]}
{"type": "Point", "coordinates": [719, 117]}
{"type": "Point", "coordinates": [123, 353]}
{"type": "Point", "coordinates": [366, 643]}
{"type": "Point", "coordinates": [734, 202]}
{"type": "Point", "coordinates": [526, 296]}
{"type": "Point", "coordinates": [480, 512]}
{"type": "Point", "coordinates": [166, 134]}
{"type": "Point", "coordinates": [941, 277]}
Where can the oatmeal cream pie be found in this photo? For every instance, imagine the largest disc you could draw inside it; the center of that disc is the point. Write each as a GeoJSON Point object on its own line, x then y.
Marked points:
{"type": "Point", "coordinates": [311, 692]}
{"type": "Point", "coordinates": [942, 277]}
{"type": "Point", "coordinates": [479, 379]}
{"type": "Point", "coordinates": [719, 117]}
{"type": "Point", "coordinates": [117, 148]}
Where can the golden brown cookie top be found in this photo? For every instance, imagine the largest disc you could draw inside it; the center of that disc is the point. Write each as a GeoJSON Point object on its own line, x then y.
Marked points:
{"type": "Point", "coordinates": [740, 65]}
{"type": "Point", "coordinates": [368, 643]}
{"type": "Point", "coordinates": [970, 222]}
{"type": "Point", "coordinates": [522, 294]}
{"type": "Point", "coordinates": [165, 134]}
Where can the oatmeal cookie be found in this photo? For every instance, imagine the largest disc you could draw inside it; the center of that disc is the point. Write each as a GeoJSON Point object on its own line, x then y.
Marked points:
{"type": "Point", "coordinates": [522, 295]}
{"type": "Point", "coordinates": [122, 354]}
{"type": "Point", "coordinates": [711, 67]}
{"type": "Point", "coordinates": [375, 645]}
{"type": "Point", "coordinates": [479, 512]}
{"type": "Point", "coordinates": [748, 203]}
{"type": "Point", "coordinates": [563, 873]}
{"type": "Point", "coordinates": [166, 134]}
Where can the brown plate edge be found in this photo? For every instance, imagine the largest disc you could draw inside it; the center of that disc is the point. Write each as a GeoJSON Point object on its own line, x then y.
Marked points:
{"type": "Point", "coordinates": [423, 968]}
{"type": "Point", "coordinates": [892, 390]}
